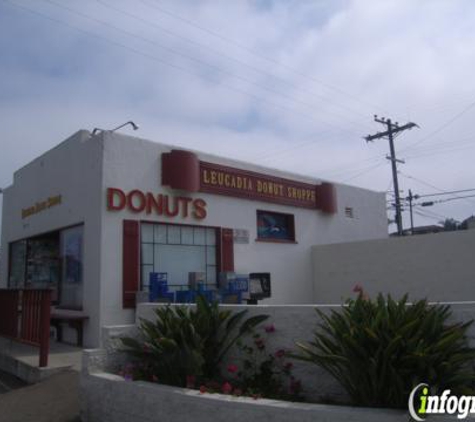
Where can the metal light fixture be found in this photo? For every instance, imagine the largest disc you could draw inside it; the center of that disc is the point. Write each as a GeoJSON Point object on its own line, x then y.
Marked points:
{"type": "Point", "coordinates": [130, 122]}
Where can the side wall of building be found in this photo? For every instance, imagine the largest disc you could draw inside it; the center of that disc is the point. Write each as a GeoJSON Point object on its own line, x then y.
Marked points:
{"type": "Point", "coordinates": [440, 267]}
{"type": "Point", "coordinates": [73, 170]}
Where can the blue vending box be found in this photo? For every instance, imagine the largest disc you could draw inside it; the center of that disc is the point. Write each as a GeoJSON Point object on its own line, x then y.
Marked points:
{"type": "Point", "coordinates": [158, 286]}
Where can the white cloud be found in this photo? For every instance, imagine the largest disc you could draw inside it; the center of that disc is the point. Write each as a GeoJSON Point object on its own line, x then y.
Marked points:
{"type": "Point", "coordinates": [342, 61]}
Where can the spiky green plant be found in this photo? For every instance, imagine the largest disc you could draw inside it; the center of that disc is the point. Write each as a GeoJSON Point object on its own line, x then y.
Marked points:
{"type": "Point", "coordinates": [219, 330]}
{"type": "Point", "coordinates": [184, 342]}
{"type": "Point", "coordinates": [380, 349]}
{"type": "Point", "coordinates": [169, 347]}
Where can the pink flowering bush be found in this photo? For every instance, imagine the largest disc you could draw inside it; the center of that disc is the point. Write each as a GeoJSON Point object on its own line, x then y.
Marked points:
{"type": "Point", "coordinates": [189, 348]}
{"type": "Point", "coordinates": [186, 346]}
{"type": "Point", "coordinates": [262, 373]}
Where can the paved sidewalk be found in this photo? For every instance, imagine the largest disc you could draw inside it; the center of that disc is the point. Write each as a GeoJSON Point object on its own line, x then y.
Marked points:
{"type": "Point", "coordinates": [9, 382]}
{"type": "Point", "coordinates": [60, 355]}
{"type": "Point", "coordinates": [52, 400]}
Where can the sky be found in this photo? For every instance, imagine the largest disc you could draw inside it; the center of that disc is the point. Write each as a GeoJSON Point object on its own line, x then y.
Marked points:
{"type": "Point", "coordinates": [288, 84]}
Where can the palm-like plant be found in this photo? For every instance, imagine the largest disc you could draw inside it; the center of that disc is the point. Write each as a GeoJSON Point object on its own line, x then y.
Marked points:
{"type": "Point", "coordinates": [380, 349]}
{"type": "Point", "coordinates": [219, 330]}
{"type": "Point", "coordinates": [184, 342]}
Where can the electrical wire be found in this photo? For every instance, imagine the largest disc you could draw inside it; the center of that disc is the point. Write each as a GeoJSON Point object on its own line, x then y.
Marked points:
{"type": "Point", "coordinates": [429, 185]}
{"type": "Point", "coordinates": [254, 53]}
{"type": "Point", "coordinates": [164, 62]}
{"type": "Point", "coordinates": [446, 193]}
{"type": "Point", "coordinates": [197, 60]}
{"type": "Point", "coordinates": [220, 53]}
{"type": "Point", "coordinates": [441, 201]}
{"type": "Point", "coordinates": [439, 128]}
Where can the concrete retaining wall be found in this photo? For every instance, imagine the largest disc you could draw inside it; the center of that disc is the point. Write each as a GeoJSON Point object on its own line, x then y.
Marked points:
{"type": "Point", "coordinates": [109, 398]}
{"type": "Point", "coordinates": [440, 267]}
{"type": "Point", "coordinates": [292, 324]}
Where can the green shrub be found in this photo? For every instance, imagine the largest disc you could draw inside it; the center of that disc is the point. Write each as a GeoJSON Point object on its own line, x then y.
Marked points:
{"type": "Point", "coordinates": [380, 349]}
{"type": "Point", "coordinates": [185, 345]}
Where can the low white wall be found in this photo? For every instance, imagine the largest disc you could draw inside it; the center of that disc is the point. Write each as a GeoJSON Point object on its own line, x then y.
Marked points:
{"type": "Point", "coordinates": [109, 398]}
{"type": "Point", "coordinates": [293, 323]}
{"type": "Point", "coordinates": [440, 267]}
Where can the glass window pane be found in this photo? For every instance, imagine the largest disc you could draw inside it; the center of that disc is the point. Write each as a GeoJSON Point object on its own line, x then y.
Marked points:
{"type": "Point", "coordinates": [72, 267]}
{"type": "Point", "coordinates": [211, 255]}
{"type": "Point", "coordinates": [200, 236]}
{"type": "Point", "coordinates": [147, 253]}
{"type": "Point", "coordinates": [187, 235]}
{"type": "Point", "coordinates": [211, 236]}
{"type": "Point", "coordinates": [146, 270]}
{"type": "Point", "coordinates": [147, 233]}
{"type": "Point", "coordinates": [160, 233]}
{"type": "Point", "coordinates": [177, 261]}
{"type": "Point", "coordinates": [17, 264]}
{"type": "Point", "coordinates": [174, 237]}
{"type": "Point", "coordinates": [273, 225]}
{"type": "Point", "coordinates": [211, 275]}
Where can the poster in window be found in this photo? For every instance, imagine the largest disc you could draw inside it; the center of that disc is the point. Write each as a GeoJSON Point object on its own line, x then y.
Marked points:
{"type": "Point", "coordinates": [272, 225]}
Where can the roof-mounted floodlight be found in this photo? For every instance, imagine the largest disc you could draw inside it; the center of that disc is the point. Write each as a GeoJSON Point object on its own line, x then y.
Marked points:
{"type": "Point", "coordinates": [130, 122]}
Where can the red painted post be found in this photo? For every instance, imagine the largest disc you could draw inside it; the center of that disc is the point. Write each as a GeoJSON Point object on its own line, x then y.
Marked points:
{"type": "Point", "coordinates": [45, 313]}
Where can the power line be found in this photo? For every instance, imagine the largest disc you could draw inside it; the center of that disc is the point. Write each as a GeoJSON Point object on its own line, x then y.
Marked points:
{"type": "Point", "coordinates": [367, 170]}
{"type": "Point", "coordinates": [164, 62]}
{"type": "Point", "coordinates": [441, 201]}
{"type": "Point", "coordinates": [201, 62]}
{"type": "Point", "coordinates": [440, 128]}
{"type": "Point", "coordinates": [254, 53]}
{"type": "Point", "coordinates": [429, 185]}
{"type": "Point", "coordinates": [445, 193]}
{"type": "Point", "coordinates": [220, 53]}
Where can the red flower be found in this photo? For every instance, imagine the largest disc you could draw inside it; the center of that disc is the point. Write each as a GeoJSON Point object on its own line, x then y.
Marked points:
{"type": "Point", "coordinates": [280, 353]}
{"type": "Point", "coordinates": [232, 368]}
{"type": "Point", "coordinates": [269, 328]}
{"type": "Point", "coordinates": [295, 386]}
{"type": "Point", "coordinates": [227, 388]}
{"type": "Point", "coordinates": [358, 288]}
{"type": "Point", "coordinates": [259, 343]}
{"type": "Point", "coordinates": [203, 389]}
{"type": "Point", "coordinates": [288, 366]}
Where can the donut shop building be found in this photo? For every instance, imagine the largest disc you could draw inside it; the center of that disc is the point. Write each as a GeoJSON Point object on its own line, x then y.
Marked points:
{"type": "Point", "coordinates": [95, 216]}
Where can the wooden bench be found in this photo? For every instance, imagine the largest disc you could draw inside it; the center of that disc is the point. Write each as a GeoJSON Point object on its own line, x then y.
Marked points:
{"type": "Point", "coordinates": [75, 319]}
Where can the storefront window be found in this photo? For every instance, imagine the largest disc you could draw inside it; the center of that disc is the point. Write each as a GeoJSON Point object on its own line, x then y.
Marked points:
{"type": "Point", "coordinates": [177, 251]}
{"type": "Point", "coordinates": [71, 288]}
{"type": "Point", "coordinates": [50, 261]}
{"type": "Point", "coordinates": [275, 226]}
{"type": "Point", "coordinates": [42, 263]}
{"type": "Point", "coordinates": [17, 264]}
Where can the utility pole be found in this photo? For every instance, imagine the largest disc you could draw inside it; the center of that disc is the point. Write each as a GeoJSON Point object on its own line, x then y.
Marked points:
{"type": "Point", "coordinates": [410, 198]}
{"type": "Point", "coordinates": [391, 130]}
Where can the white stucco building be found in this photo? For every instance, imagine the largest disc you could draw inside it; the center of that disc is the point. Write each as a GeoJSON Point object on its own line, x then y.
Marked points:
{"type": "Point", "coordinates": [92, 217]}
